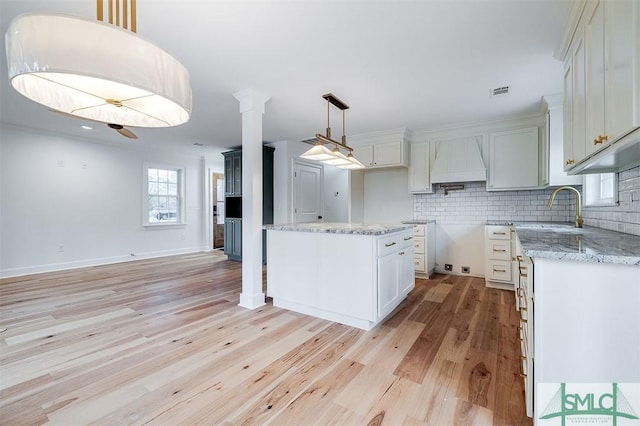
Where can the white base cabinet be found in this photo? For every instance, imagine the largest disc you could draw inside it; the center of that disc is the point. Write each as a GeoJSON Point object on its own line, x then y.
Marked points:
{"type": "Point", "coordinates": [424, 247]}
{"type": "Point", "coordinates": [355, 280]}
{"type": "Point", "coordinates": [586, 327]}
{"type": "Point", "coordinates": [500, 264]}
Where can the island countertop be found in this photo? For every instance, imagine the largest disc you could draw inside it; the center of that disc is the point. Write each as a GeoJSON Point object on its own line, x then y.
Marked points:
{"type": "Point", "coordinates": [341, 228]}
{"type": "Point", "coordinates": [589, 244]}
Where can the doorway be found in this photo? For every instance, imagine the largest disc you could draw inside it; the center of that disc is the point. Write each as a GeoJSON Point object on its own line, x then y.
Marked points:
{"type": "Point", "coordinates": [217, 198]}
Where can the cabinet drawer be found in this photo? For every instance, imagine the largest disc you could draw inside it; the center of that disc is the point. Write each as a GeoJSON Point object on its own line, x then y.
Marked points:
{"type": "Point", "coordinates": [418, 231]}
{"type": "Point", "coordinates": [418, 244]}
{"type": "Point", "coordinates": [498, 249]}
{"type": "Point", "coordinates": [499, 270]}
{"type": "Point", "coordinates": [388, 245]}
{"type": "Point", "coordinates": [394, 243]}
{"type": "Point", "coordinates": [498, 232]}
{"type": "Point", "coordinates": [418, 263]}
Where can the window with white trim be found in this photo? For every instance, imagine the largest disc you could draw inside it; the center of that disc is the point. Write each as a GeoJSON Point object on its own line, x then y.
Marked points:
{"type": "Point", "coordinates": [163, 195]}
{"type": "Point", "coordinates": [601, 189]}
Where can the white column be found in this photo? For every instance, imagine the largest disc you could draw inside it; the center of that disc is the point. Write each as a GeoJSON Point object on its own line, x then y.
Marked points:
{"type": "Point", "coordinates": [252, 108]}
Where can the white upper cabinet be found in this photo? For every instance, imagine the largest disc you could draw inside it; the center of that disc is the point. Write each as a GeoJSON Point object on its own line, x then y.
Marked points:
{"type": "Point", "coordinates": [381, 149]}
{"type": "Point", "coordinates": [552, 141]}
{"type": "Point", "coordinates": [514, 159]}
{"type": "Point", "coordinates": [602, 86]}
{"type": "Point", "coordinates": [419, 179]}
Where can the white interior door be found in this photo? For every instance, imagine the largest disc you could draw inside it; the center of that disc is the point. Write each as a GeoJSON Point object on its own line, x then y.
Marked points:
{"type": "Point", "coordinates": [307, 192]}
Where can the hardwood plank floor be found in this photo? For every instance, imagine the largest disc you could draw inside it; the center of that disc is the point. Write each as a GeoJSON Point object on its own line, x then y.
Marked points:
{"type": "Point", "coordinates": [163, 342]}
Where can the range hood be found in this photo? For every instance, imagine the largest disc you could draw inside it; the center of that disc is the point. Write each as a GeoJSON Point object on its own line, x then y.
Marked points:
{"type": "Point", "coordinates": [458, 160]}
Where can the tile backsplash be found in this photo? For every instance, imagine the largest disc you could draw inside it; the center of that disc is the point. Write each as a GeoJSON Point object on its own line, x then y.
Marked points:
{"type": "Point", "coordinates": [625, 217]}
{"type": "Point", "coordinates": [475, 205]}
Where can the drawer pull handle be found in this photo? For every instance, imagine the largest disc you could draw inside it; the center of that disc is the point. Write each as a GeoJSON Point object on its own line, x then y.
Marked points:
{"type": "Point", "coordinates": [523, 275]}
{"type": "Point", "coordinates": [499, 233]}
{"type": "Point", "coordinates": [390, 244]}
{"type": "Point", "coordinates": [500, 250]}
{"type": "Point", "coordinates": [408, 238]}
{"type": "Point", "coordinates": [499, 270]}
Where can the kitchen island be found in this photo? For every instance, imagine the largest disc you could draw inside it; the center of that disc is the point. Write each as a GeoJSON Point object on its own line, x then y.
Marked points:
{"type": "Point", "coordinates": [349, 273]}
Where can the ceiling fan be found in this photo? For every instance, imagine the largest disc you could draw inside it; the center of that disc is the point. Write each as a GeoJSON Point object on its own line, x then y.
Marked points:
{"type": "Point", "coordinates": [117, 127]}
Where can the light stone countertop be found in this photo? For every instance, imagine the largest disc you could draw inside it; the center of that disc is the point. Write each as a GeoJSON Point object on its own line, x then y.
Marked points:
{"type": "Point", "coordinates": [341, 228]}
{"type": "Point", "coordinates": [419, 221]}
{"type": "Point", "coordinates": [563, 241]}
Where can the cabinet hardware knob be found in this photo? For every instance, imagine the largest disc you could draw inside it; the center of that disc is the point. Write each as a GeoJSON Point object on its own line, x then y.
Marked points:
{"type": "Point", "coordinates": [600, 139]}
{"type": "Point", "coordinates": [390, 244]}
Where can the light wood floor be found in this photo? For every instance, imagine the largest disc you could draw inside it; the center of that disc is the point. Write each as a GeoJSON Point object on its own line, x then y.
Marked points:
{"type": "Point", "coordinates": [163, 342]}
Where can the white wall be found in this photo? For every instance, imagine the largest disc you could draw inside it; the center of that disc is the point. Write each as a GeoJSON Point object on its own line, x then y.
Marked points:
{"type": "Point", "coordinates": [386, 196]}
{"type": "Point", "coordinates": [460, 245]}
{"type": "Point", "coordinates": [336, 194]}
{"type": "Point", "coordinates": [68, 203]}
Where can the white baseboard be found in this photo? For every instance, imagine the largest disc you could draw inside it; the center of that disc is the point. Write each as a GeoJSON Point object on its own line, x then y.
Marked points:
{"type": "Point", "coordinates": [53, 267]}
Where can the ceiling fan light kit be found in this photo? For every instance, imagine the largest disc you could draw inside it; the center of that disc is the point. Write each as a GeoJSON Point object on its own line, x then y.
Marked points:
{"type": "Point", "coordinates": [335, 157]}
{"type": "Point", "coordinates": [96, 71]}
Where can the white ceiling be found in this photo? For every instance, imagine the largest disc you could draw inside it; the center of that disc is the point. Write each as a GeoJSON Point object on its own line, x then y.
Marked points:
{"type": "Point", "coordinates": [414, 64]}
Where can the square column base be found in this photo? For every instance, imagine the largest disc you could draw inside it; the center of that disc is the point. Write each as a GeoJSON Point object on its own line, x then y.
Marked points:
{"type": "Point", "coordinates": [252, 301]}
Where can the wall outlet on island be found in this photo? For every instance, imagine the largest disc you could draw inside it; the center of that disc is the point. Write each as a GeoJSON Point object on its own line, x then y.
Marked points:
{"type": "Point", "coordinates": [448, 267]}
{"type": "Point", "coordinates": [465, 269]}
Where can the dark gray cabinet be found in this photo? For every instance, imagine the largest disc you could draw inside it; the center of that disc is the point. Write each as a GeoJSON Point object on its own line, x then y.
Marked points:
{"type": "Point", "coordinates": [233, 200]}
{"type": "Point", "coordinates": [233, 238]}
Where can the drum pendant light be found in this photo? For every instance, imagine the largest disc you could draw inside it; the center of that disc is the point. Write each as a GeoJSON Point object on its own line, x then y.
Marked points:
{"type": "Point", "coordinates": [97, 70]}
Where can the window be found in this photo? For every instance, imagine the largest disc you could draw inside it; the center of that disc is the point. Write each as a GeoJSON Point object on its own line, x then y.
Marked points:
{"type": "Point", "coordinates": [601, 189]}
{"type": "Point", "coordinates": [163, 195]}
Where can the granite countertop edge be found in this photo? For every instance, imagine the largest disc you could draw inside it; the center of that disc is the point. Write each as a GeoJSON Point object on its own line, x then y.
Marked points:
{"type": "Point", "coordinates": [341, 228]}
{"type": "Point", "coordinates": [419, 221]}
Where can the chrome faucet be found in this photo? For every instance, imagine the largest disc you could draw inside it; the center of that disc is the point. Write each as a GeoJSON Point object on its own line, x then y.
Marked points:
{"type": "Point", "coordinates": [578, 203]}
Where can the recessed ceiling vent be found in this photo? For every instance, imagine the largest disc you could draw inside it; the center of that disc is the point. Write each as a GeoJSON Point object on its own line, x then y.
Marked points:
{"type": "Point", "coordinates": [500, 91]}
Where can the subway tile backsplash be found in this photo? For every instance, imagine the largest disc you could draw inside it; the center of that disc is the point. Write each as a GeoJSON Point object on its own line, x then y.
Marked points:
{"type": "Point", "coordinates": [625, 217]}
{"type": "Point", "coordinates": [475, 205]}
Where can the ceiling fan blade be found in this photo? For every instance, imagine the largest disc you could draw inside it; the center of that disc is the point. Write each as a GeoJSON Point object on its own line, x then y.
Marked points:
{"type": "Point", "coordinates": [127, 133]}
{"type": "Point", "coordinates": [122, 130]}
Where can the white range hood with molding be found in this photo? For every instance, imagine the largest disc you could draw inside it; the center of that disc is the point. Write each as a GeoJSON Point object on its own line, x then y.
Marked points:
{"type": "Point", "coordinates": [457, 160]}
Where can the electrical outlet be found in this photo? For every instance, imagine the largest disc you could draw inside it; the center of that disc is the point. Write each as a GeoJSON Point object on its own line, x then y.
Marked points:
{"type": "Point", "coordinates": [465, 269]}
{"type": "Point", "coordinates": [448, 267]}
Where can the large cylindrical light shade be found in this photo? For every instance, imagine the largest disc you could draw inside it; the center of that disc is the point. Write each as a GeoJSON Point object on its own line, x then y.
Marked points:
{"type": "Point", "coordinates": [96, 71]}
